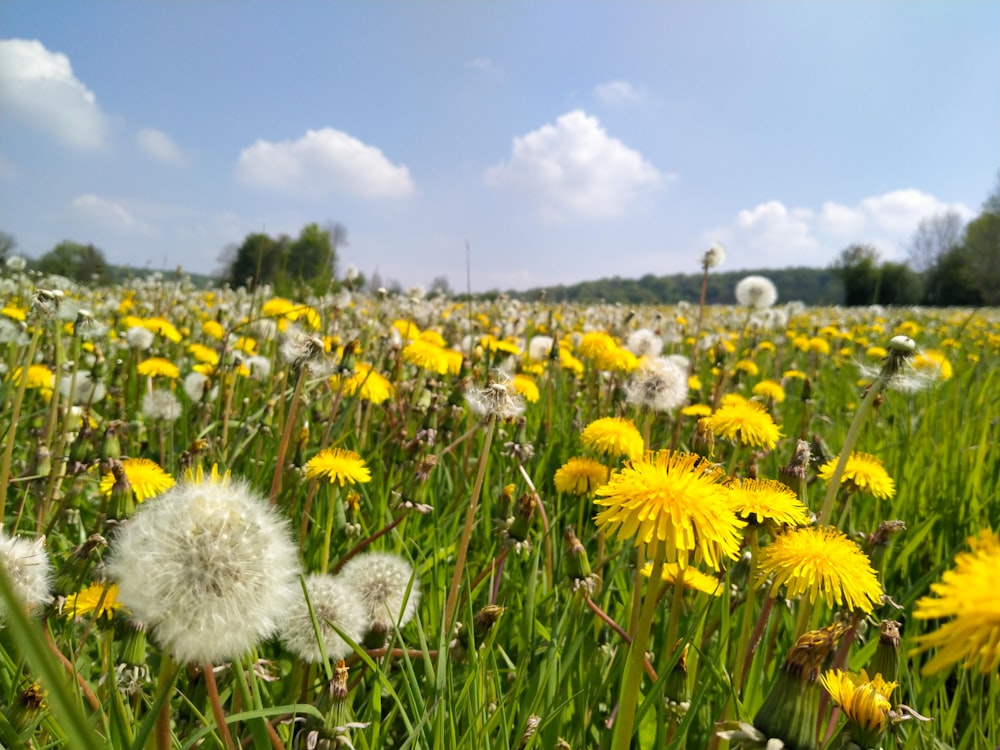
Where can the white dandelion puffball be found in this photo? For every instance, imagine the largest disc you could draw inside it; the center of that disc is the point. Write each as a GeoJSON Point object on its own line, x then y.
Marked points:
{"type": "Point", "coordinates": [382, 580]}
{"type": "Point", "coordinates": [29, 572]}
{"type": "Point", "coordinates": [714, 256]}
{"type": "Point", "coordinates": [658, 384]}
{"type": "Point", "coordinates": [337, 606]}
{"type": "Point", "coordinates": [209, 566]}
{"type": "Point", "coordinates": [757, 292]}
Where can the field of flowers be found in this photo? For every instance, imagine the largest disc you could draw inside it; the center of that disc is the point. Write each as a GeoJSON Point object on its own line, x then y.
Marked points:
{"type": "Point", "coordinates": [390, 521]}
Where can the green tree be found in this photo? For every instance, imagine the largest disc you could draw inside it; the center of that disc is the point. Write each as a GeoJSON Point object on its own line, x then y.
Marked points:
{"type": "Point", "coordinates": [951, 281]}
{"type": "Point", "coordinates": [312, 256]}
{"type": "Point", "coordinates": [82, 263]}
{"type": "Point", "coordinates": [258, 260]}
{"type": "Point", "coordinates": [982, 241]}
{"type": "Point", "coordinates": [7, 245]}
{"type": "Point", "coordinates": [857, 267]}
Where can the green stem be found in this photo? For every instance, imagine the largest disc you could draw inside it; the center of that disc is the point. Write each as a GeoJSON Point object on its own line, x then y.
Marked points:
{"type": "Point", "coordinates": [15, 415]}
{"type": "Point", "coordinates": [860, 417]}
{"type": "Point", "coordinates": [286, 436]}
{"type": "Point", "coordinates": [470, 517]}
{"type": "Point", "coordinates": [628, 700]}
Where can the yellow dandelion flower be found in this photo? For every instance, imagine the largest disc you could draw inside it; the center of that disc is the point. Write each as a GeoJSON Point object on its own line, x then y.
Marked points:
{"type": "Point", "coordinates": [453, 361]}
{"type": "Point", "coordinates": [39, 377]}
{"type": "Point", "coordinates": [694, 383]}
{"type": "Point", "coordinates": [697, 410]}
{"type": "Point", "coordinates": [793, 375]}
{"type": "Point", "coordinates": [101, 598]}
{"type": "Point", "coordinates": [156, 367]}
{"type": "Point", "coordinates": [14, 312]}
{"type": "Point", "coordinates": [163, 327]}
{"type": "Point", "coordinates": [366, 383]}
{"type": "Point", "coordinates": [864, 473]}
{"type": "Point", "coordinates": [213, 329]}
{"type": "Point", "coordinates": [907, 328]}
{"type": "Point", "coordinates": [245, 344]}
{"type": "Point", "coordinates": [407, 329]}
{"type": "Point", "coordinates": [748, 366]}
{"type": "Point", "coordinates": [673, 500]}
{"type": "Point", "coordinates": [426, 356]}
{"type": "Point", "coordinates": [338, 466]}
{"type": "Point", "coordinates": [770, 389]}
{"type": "Point", "coordinates": [864, 701]}
{"type": "Point", "coordinates": [580, 476]}
{"type": "Point", "coordinates": [568, 362]}
{"type": "Point", "coordinates": [613, 436]}
{"type": "Point", "coordinates": [690, 577]}
{"type": "Point", "coordinates": [876, 352]}
{"type": "Point", "coordinates": [820, 562]}
{"type": "Point", "coordinates": [527, 388]}
{"type": "Point", "coordinates": [732, 399]}
{"type": "Point", "coordinates": [203, 353]}
{"type": "Point", "coordinates": [819, 345]}
{"type": "Point", "coordinates": [748, 423]}
{"type": "Point", "coordinates": [433, 337]}
{"type": "Point", "coordinates": [493, 344]}
{"type": "Point", "coordinates": [967, 594]}
{"type": "Point", "coordinates": [761, 500]}
{"type": "Point", "coordinates": [801, 343]}
{"type": "Point", "coordinates": [593, 344]}
{"type": "Point", "coordinates": [934, 363]}
{"type": "Point", "coordinates": [145, 477]}
{"type": "Point", "coordinates": [276, 307]}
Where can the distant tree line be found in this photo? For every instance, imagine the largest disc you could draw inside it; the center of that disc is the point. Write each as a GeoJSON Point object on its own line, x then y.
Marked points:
{"type": "Point", "coordinates": [285, 263]}
{"type": "Point", "coordinates": [948, 265]}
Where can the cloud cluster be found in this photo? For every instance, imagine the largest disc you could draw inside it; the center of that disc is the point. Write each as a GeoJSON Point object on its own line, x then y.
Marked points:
{"type": "Point", "coordinates": [573, 168]}
{"type": "Point", "coordinates": [160, 146]}
{"type": "Point", "coordinates": [41, 90]}
{"type": "Point", "coordinates": [96, 212]}
{"type": "Point", "coordinates": [618, 93]}
{"type": "Point", "coordinates": [322, 162]}
{"type": "Point", "coordinates": [773, 235]}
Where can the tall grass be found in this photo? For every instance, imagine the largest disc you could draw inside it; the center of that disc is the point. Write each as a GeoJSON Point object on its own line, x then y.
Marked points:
{"type": "Point", "coordinates": [525, 660]}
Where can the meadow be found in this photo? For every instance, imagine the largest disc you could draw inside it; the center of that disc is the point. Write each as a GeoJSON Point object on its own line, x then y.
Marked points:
{"type": "Point", "coordinates": [372, 520]}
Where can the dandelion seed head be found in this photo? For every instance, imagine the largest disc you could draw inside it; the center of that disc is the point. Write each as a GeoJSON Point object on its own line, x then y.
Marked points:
{"type": "Point", "coordinates": [757, 292]}
{"type": "Point", "coordinates": [337, 606]}
{"type": "Point", "coordinates": [29, 571]}
{"type": "Point", "coordinates": [383, 582]}
{"type": "Point", "coordinates": [657, 384]}
{"type": "Point", "coordinates": [209, 566]}
{"type": "Point", "coordinates": [161, 404]}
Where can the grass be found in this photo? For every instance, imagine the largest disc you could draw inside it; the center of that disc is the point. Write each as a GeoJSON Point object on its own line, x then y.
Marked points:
{"type": "Point", "coordinates": [525, 660]}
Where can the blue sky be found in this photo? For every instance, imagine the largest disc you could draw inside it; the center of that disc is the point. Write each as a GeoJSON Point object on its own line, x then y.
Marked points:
{"type": "Point", "coordinates": [563, 141]}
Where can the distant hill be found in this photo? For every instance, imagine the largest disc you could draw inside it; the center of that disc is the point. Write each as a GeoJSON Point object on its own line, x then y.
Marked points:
{"type": "Point", "coordinates": [813, 286]}
{"type": "Point", "coordinates": [119, 274]}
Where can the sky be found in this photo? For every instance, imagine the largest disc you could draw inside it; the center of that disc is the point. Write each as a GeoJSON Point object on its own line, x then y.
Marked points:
{"type": "Point", "coordinates": [556, 141]}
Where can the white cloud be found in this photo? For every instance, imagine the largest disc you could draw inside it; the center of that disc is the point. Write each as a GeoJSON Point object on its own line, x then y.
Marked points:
{"type": "Point", "coordinates": [160, 146]}
{"type": "Point", "coordinates": [107, 215]}
{"type": "Point", "coordinates": [483, 65]}
{"type": "Point", "coordinates": [617, 93]}
{"type": "Point", "coordinates": [40, 89]}
{"type": "Point", "coordinates": [322, 162]}
{"type": "Point", "coordinates": [772, 235]}
{"type": "Point", "coordinates": [574, 168]}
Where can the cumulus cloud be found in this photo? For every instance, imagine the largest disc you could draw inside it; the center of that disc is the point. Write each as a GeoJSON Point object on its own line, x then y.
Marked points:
{"type": "Point", "coordinates": [323, 162]}
{"type": "Point", "coordinates": [574, 168]}
{"type": "Point", "coordinates": [771, 234]}
{"type": "Point", "coordinates": [41, 90]}
{"type": "Point", "coordinates": [160, 146]}
{"type": "Point", "coordinates": [482, 64]}
{"type": "Point", "coordinates": [108, 215]}
{"type": "Point", "coordinates": [617, 93]}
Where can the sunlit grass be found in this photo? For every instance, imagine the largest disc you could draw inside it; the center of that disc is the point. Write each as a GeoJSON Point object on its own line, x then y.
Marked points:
{"type": "Point", "coordinates": [511, 645]}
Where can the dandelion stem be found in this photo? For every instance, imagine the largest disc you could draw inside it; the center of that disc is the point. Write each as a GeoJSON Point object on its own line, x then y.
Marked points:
{"type": "Point", "coordinates": [860, 417]}
{"type": "Point", "coordinates": [217, 712]}
{"type": "Point", "coordinates": [470, 517]}
{"type": "Point", "coordinates": [629, 695]}
{"type": "Point", "coordinates": [286, 436]}
{"type": "Point", "coordinates": [15, 415]}
{"type": "Point", "coordinates": [606, 618]}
